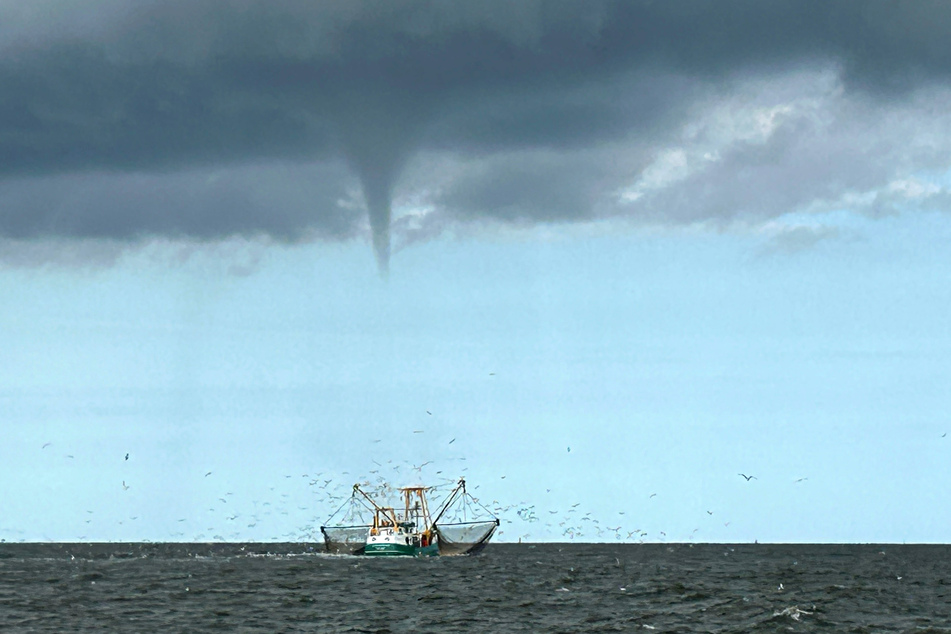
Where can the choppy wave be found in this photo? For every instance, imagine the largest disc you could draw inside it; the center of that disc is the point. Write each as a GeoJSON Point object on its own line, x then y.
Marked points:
{"type": "Point", "coordinates": [510, 588]}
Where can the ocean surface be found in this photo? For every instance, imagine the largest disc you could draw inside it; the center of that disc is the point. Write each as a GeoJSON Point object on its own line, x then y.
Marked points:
{"type": "Point", "coordinates": [508, 588]}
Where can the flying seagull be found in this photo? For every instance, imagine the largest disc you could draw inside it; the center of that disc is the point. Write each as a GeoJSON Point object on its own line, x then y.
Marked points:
{"type": "Point", "coordinates": [127, 456]}
{"type": "Point", "coordinates": [748, 478]}
{"type": "Point", "coordinates": [429, 412]}
{"type": "Point", "coordinates": [125, 487]}
{"type": "Point", "coordinates": [46, 445]}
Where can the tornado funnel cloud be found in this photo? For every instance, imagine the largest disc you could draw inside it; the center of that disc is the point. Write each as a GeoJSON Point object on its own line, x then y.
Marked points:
{"type": "Point", "coordinates": [377, 172]}
{"type": "Point", "coordinates": [377, 197]}
{"type": "Point", "coordinates": [377, 136]}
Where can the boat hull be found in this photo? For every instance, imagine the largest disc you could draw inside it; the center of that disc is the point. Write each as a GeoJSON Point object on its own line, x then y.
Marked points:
{"type": "Point", "coordinates": [400, 550]}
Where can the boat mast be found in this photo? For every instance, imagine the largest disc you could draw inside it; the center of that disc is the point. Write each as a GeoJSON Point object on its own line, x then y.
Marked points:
{"type": "Point", "coordinates": [420, 512]}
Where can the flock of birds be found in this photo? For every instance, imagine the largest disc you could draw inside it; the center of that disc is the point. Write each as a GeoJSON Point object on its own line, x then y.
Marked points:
{"type": "Point", "coordinates": [232, 517]}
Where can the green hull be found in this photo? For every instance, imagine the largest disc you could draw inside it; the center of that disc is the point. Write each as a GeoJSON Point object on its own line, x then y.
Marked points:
{"type": "Point", "coordinates": [428, 551]}
{"type": "Point", "coordinates": [400, 550]}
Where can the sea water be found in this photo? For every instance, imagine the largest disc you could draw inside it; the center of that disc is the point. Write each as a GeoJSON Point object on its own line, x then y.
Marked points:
{"type": "Point", "coordinates": [508, 588]}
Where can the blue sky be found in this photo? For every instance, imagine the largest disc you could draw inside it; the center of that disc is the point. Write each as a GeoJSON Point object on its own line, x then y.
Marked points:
{"type": "Point", "coordinates": [667, 363]}
{"type": "Point", "coordinates": [271, 249]}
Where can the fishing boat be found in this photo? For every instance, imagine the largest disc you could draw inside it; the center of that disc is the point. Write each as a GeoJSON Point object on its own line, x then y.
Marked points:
{"type": "Point", "coordinates": [461, 526]}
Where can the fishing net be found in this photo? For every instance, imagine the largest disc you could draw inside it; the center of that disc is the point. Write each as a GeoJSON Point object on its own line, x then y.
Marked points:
{"type": "Point", "coordinates": [464, 526]}
{"type": "Point", "coordinates": [345, 540]}
{"type": "Point", "coordinates": [465, 538]}
{"type": "Point", "coordinates": [348, 536]}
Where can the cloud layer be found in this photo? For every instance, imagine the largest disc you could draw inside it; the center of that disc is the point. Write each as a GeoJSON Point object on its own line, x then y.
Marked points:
{"type": "Point", "coordinates": [297, 121]}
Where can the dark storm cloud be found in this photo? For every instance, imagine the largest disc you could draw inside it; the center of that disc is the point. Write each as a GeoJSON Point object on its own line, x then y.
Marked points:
{"type": "Point", "coordinates": [198, 203]}
{"type": "Point", "coordinates": [113, 114]}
